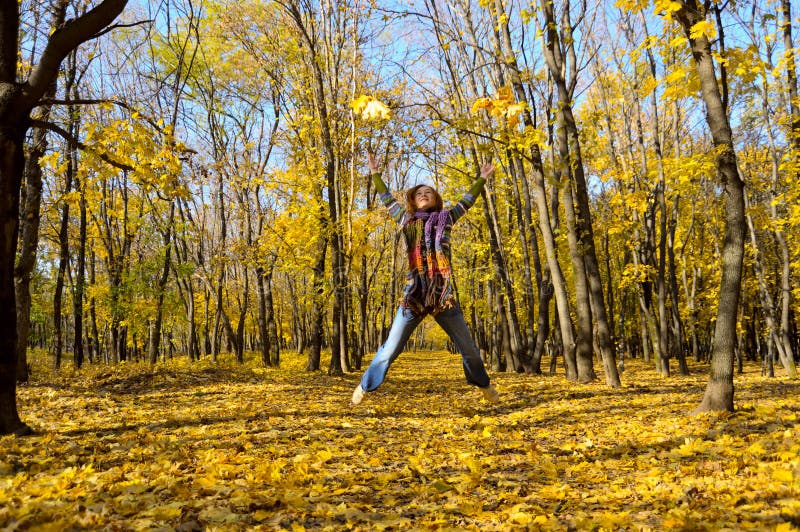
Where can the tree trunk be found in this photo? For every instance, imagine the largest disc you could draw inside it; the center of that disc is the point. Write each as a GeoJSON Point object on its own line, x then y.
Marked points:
{"type": "Point", "coordinates": [30, 218]}
{"type": "Point", "coordinates": [17, 100]}
{"type": "Point", "coordinates": [719, 391]}
{"type": "Point", "coordinates": [11, 167]}
{"type": "Point", "coordinates": [318, 309]}
{"type": "Point", "coordinates": [155, 330]}
{"type": "Point", "coordinates": [572, 150]}
{"type": "Point", "coordinates": [501, 273]}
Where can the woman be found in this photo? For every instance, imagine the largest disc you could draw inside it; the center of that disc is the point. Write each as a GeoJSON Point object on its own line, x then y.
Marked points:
{"type": "Point", "coordinates": [426, 227]}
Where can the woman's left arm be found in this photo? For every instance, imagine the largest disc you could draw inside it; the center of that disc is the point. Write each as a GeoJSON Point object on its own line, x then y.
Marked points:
{"type": "Point", "coordinates": [468, 200]}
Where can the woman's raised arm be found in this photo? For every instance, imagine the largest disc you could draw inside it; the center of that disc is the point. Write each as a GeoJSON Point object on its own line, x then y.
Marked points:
{"type": "Point", "coordinates": [394, 208]}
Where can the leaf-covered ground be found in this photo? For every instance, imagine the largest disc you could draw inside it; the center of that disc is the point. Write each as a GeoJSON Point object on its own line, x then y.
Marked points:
{"type": "Point", "coordinates": [223, 447]}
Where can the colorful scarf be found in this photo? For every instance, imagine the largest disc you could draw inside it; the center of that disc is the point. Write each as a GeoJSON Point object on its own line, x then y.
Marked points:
{"type": "Point", "coordinates": [431, 290]}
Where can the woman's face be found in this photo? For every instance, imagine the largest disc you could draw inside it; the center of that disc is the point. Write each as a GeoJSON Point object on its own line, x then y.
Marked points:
{"type": "Point", "coordinates": [424, 198]}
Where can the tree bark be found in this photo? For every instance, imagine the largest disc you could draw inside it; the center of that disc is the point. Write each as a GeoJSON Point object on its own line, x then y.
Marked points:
{"type": "Point", "coordinates": [719, 390]}
{"type": "Point", "coordinates": [17, 100]}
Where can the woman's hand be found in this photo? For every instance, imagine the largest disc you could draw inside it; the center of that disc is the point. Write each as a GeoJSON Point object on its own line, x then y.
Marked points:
{"type": "Point", "coordinates": [487, 170]}
{"type": "Point", "coordinates": [372, 164]}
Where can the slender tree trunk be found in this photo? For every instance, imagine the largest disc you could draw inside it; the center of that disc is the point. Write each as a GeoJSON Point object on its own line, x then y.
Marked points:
{"type": "Point", "coordinates": [262, 317]}
{"type": "Point", "coordinates": [95, 333]}
{"type": "Point", "coordinates": [155, 330]}
{"type": "Point", "coordinates": [272, 327]}
{"type": "Point", "coordinates": [677, 322]}
{"type": "Point", "coordinates": [781, 331]}
{"type": "Point", "coordinates": [318, 309]}
{"type": "Point", "coordinates": [543, 281]}
{"type": "Point", "coordinates": [572, 150]}
{"type": "Point", "coordinates": [501, 272]}
{"type": "Point", "coordinates": [238, 344]}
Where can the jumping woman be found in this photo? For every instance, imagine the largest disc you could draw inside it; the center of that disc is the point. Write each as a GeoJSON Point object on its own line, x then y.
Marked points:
{"type": "Point", "coordinates": [426, 228]}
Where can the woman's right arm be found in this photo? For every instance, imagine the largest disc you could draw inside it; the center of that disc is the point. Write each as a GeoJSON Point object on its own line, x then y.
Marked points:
{"type": "Point", "coordinates": [397, 212]}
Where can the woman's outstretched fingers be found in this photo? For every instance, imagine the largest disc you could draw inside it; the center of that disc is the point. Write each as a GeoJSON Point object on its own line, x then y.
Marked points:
{"type": "Point", "coordinates": [372, 163]}
{"type": "Point", "coordinates": [487, 169]}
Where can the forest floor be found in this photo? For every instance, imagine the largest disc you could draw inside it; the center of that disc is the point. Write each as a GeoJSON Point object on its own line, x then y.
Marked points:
{"type": "Point", "coordinates": [228, 447]}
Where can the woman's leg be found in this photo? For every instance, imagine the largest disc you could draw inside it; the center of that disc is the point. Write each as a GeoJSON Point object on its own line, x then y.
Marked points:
{"type": "Point", "coordinates": [403, 325]}
{"type": "Point", "coordinates": [452, 321]}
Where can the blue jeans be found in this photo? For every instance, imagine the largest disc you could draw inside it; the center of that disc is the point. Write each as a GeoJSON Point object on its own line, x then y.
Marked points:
{"type": "Point", "coordinates": [452, 321]}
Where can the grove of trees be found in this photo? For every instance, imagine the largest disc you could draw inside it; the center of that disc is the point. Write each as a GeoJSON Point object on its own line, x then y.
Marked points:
{"type": "Point", "coordinates": [187, 179]}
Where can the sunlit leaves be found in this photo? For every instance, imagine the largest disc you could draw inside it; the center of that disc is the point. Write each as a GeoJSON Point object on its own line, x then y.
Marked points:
{"type": "Point", "coordinates": [703, 28]}
{"type": "Point", "coordinates": [155, 158]}
{"type": "Point", "coordinates": [238, 447]}
{"type": "Point", "coordinates": [502, 106]}
{"type": "Point", "coordinates": [370, 108]}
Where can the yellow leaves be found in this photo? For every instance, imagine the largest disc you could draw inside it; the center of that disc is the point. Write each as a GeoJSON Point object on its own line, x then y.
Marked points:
{"type": "Point", "coordinates": [473, 464]}
{"type": "Point", "coordinates": [521, 518]}
{"type": "Point", "coordinates": [703, 28]}
{"type": "Point", "coordinates": [756, 449]}
{"type": "Point", "coordinates": [501, 106]}
{"type": "Point", "coordinates": [783, 475]}
{"type": "Point", "coordinates": [370, 108]}
{"type": "Point", "coordinates": [636, 273]}
{"type": "Point", "coordinates": [746, 64]}
{"type": "Point", "coordinates": [667, 6]}
{"type": "Point", "coordinates": [632, 5]}
{"type": "Point", "coordinates": [165, 512]}
{"type": "Point", "coordinates": [237, 447]}
{"type": "Point", "coordinates": [482, 104]}
{"type": "Point", "coordinates": [692, 446]}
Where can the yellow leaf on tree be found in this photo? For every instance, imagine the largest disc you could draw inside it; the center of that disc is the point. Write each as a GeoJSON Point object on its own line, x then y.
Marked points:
{"type": "Point", "coordinates": [359, 104]}
{"type": "Point", "coordinates": [703, 27]}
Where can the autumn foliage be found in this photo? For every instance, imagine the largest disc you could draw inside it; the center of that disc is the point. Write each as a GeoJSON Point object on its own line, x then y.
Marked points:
{"type": "Point", "coordinates": [234, 447]}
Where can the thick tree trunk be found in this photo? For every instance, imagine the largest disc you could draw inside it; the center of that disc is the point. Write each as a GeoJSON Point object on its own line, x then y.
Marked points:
{"type": "Point", "coordinates": [30, 217]}
{"type": "Point", "coordinates": [719, 391]}
{"type": "Point", "coordinates": [11, 167]}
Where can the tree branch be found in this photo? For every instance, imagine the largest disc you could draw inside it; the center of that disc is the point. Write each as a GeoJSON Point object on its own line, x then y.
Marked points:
{"type": "Point", "coordinates": [70, 138]}
{"type": "Point", "coordinates": [63, 41]}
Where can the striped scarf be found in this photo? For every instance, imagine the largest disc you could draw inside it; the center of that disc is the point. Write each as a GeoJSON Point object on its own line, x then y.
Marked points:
{"type": "Point", "coordinates": [432, 289]}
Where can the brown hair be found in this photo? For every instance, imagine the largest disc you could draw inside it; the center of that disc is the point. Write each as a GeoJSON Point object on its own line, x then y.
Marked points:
{"type": "Point", "coordinates": [411, 204]}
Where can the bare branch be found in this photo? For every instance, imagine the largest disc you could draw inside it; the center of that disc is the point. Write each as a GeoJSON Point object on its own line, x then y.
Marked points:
{"type": "Point", "coordinates": [63, 41]}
